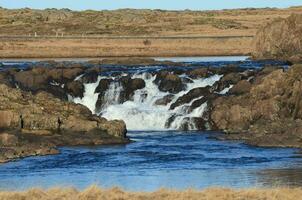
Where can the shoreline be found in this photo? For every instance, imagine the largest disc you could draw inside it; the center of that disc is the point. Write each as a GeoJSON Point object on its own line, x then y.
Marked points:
{"type": "Point", "coordinates": [95, 192]}
{"type": "Point", "coordinates": [87, 59]}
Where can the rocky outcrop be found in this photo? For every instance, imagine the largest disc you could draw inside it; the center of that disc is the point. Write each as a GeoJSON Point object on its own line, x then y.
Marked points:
{"type": "Point", "coordinates": [200, 73]}
{"type": "Point", "coordinates": [280, 39]}
{"type": "Point", "coordinates": [190, 96]}
{"type": "Point", "coordinates": [75, 88]}
{"type": "Point", "coordinates": [130, 85]}
{"type": "Point", "coordinates": [168, 82]}
{"type": "Point", "coordinates": [37, 124]}
{"type": "Point", "coordinates": [57, 78]}
{"type": "Point", "coordinates": [268, 113]}
{"type": "Point", "coordinates": [165, 100]}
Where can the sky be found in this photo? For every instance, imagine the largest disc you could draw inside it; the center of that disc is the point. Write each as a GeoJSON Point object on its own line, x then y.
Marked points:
{"type": "Point", "coordinates": [149, 4]}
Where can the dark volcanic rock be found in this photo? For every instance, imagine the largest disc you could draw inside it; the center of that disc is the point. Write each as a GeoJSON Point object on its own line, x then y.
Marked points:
{"type": "Point", "coordinates": [188, 97]}
{"type": "Point", "coordinates": [193, 123]}
{"type": "Point", "coordinates": [165, 100]}
{"type": "Point", "coordinates": [168, 82]}
{"type": "Point", "coordinates": [43, 78]}
{"type": "Point", "coordinates": [65, 74]}
{"type": "Point", "coordinates": [103, 85]}
{"type": "Point", "coordinates": [89, 77]}
{"type": "Point", "coordinates": [75, 88]}
{"type": "Point", "coordinates": [199, 73]}
{"type": "Point", "coordinates": [130, 86]}
{"type": "Point", "coordinates": [57, 91]}
{"type": "Point", "coordinates": [226, 81]}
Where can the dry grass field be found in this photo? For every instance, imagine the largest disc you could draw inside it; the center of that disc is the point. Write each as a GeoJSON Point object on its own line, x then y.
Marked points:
{"type": "Point", "coordinates": [131, 22]}
{"type": "Point", "coordinates": [94, 193]}
{"type": "Point", "coordinates": [79, 48]}
{"type": "Point", "coordinates": [129, 32]}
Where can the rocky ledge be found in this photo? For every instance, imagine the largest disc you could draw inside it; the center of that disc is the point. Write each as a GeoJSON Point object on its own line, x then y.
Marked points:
{"type": "Point", "coordinates": [269, 113]}
{"type": "Point", "coordinates": [260, 105]}
{"type": "Point", "coordinates": [38, 124]}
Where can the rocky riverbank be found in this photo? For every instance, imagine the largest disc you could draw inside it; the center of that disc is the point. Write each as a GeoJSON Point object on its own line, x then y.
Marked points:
{"type": "Point", "coordinates": [267, 112]}
{"type": "Point", "coordinates": [258, 102]}
{"type": "Point", "coordinates": [36, 124]}
{"type": "Point", "coordinates": [258, 105]}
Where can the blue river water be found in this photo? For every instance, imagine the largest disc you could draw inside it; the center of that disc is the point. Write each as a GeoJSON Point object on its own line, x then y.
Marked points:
{"type": "Point", "coordinates": [176, 160]}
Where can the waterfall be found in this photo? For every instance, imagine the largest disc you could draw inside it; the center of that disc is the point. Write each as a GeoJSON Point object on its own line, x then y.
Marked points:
{"type": "Point", "coordinates": [90, 97]}
{"type": "Point", "coordinates": [141, 112]}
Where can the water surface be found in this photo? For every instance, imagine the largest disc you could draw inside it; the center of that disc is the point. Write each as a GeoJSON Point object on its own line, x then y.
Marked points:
{"type": "Point", "coordinates": [168, 159]}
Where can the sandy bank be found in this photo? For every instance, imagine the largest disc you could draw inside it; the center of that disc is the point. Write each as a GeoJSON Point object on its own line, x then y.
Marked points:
{"type": "Point", "coordinates": [96, 193]}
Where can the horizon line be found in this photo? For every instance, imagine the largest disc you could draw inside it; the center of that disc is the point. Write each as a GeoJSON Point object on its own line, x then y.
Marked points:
{"type": "Point", "coordinates": [153, 9]}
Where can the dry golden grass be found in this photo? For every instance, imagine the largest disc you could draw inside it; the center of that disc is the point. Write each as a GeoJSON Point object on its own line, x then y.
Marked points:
{"type": "Point", "coordinates": [138, 22]}
{"type": "Point", "coordinates": [63, 48]}
{"type": "Point", "coordinates": [95, 193]}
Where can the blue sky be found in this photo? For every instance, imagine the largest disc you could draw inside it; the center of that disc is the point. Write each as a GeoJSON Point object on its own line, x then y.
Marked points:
{"type": "Point", "coordinates": [151, 4]}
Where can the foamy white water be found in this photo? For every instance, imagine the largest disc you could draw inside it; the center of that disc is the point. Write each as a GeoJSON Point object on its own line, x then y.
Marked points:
{"type": "Point", "coordinates": [90, 98]}
{"type": "Point", "coordinates": [142, 113]}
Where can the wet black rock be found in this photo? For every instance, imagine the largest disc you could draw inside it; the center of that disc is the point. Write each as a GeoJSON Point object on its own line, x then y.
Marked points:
{"type": "Point", "coordinates": [226, 81]}
{"type": "Point", "coordinates": [168, 82]}
{"type": "Point", "coordinates": [130, 86]}
{"type": "Point", "coordinates": [191, 95]}
{"type": "Point", "coordinates": [196, 123]}
{"type": "Point", "coordinates": [75, 88]}
{"type": "Point", "coordinates": [165, 100]}
{"type": "Point", "coordinates": [199, 73]}
{"type": "Point", "coordinates": [89, 77]}
{"type": "Point", "coordinates": [103, 85]}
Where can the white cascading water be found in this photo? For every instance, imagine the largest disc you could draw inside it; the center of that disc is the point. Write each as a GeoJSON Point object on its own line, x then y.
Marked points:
{"type": "Point", "coordinates": [89, 98]}
{"type": "Point", "coordinates": [142, 113]}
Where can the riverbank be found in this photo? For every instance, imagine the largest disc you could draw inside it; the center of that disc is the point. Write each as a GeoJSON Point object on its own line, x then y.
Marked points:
{"type": "Point", "coordinates": [219, 97]}
{"type": "Point", "coordinates": [37, 123]}
{"type": "Point", "coordinates": [163, 194]}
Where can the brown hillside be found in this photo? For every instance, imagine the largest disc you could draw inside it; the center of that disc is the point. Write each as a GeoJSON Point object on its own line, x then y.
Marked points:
{"type": "Point", "coordinates": [137, 22]}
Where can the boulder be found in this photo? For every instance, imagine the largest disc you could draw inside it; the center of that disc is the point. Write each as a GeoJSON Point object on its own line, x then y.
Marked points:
{"type": "Point", "coordinates": [75, 88]}
{"type": "Point", "coordinates": [32, 79]}
{"type": "Point", "coordinates": [103, 85]}
{"type": "Point", "coordinates": [65, 74]}
{"type": "Point", "coordinates": [241, 87]}
{"type": "Point", "coordinates": [191, 95]}
{"type": "Point", "coordinates": [199, 73]}
{"type": "Point", "coordinates": [90, 77]}
{"type": "Point", "coordinates": [165, 100]}
{"type": "Point", "coordinates": [129, 87]}
{"type": "Point", "coordinates": [226, 81]}
{"type": "Point", "coordinates": [168, 82]}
